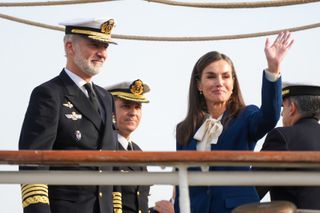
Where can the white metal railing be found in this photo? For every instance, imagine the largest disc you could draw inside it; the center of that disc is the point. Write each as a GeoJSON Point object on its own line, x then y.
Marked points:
{"type": "Point", "coordinates": [180, 160]}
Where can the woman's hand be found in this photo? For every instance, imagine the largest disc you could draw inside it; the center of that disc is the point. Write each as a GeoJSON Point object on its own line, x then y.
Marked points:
{"type": "Point", "coordinates": [276, 52]}
{"type": "Point", "coordinates": [164, 206]}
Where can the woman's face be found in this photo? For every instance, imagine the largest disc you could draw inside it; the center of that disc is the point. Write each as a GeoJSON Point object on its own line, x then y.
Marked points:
{"type": "Point", "coordinates": [216, 82]}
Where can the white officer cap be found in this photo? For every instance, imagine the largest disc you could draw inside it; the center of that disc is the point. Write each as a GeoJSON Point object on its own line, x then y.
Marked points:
{"type": "Point", "coordinates": [98, 29]}
{"type": "Point", "coordinates": [130, 90]}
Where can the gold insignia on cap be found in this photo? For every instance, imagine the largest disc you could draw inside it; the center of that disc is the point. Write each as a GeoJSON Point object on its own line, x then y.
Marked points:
{"type": "Point", "coordinates": [285, 92]}
{"type": "Point", "coordinates": [107, 26]}
{"type": "Point", "coordinates": [130, 90]}
{"type": "Point", "coordinates": [137, 87]}
{"type": "Point", "coordinates": [102, 34]}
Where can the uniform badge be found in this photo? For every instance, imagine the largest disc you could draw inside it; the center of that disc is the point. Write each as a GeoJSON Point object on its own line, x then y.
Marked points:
{"type": "Point", "coordinates": [78, 135]}
{"type": "Point", "coordinates": [73, 116]}
{"type": "Point", "coordinates": [68, 104]}
{"type": "Point", "coordinates": [136, 87]}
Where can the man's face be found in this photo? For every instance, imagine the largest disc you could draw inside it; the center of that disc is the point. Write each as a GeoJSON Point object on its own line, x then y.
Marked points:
{"type": "Point", "coordinates": [128, 115]}
{"type": "Point", "coordinates": [89, 55]}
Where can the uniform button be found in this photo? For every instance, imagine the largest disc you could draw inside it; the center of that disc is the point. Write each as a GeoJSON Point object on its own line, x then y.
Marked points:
{"type": "Point", "coordinates": [140, 211]}
{"type": "Point", "coordinates": [100, 194]}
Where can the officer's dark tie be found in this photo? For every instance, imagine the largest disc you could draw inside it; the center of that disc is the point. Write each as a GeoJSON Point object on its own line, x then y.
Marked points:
{"type": "Point", "coordinates": [129, 148]}
{"type": "Point", "coordinates": [92, 97]}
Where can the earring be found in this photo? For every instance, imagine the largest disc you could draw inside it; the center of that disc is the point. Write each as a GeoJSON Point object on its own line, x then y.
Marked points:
{"type": "Point", "coordinates": [201, 93]}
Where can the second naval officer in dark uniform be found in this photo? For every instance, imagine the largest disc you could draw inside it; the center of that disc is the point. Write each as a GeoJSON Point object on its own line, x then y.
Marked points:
{"type": "Point", "coordinates": [129, 97]}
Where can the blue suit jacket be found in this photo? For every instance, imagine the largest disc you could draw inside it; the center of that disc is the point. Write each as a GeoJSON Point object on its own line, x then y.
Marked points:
{"type": "Point", "coordinates": [242, 133]}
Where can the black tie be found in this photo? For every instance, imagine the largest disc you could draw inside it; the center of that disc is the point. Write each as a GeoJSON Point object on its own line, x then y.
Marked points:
{"type": "Point", "coordinates": [92, 97]}
{"type": "Point", "coordinates": [129, 148]}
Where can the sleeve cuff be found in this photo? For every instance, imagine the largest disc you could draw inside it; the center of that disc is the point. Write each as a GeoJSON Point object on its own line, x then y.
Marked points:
{"type": "Point", "coordinates": [34, 194]}
{"type": "Point", "coordinates": [271, 76]}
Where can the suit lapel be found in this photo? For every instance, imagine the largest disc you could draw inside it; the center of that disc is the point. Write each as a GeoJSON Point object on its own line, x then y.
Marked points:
{"type": "Point", "coordinates": [102, 101]}
{"type": "Point", "coordinates": [192, 145]}
{"type": "Point", "coordinates": [80, 101]}
{"type": "Point", "coordinates": [120, 147]}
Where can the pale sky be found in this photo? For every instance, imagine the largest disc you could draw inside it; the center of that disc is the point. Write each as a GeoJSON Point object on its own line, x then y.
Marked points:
{"type": "Point", "coordinates": [32, 55]}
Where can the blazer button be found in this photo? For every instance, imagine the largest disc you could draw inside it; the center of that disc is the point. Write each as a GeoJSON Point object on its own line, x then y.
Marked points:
{"type": "Point", "coordinates": [100, 194]}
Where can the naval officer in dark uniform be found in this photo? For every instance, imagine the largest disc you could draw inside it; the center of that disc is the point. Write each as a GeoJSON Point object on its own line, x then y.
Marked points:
{"type": "Point", "coordinates": [70, 112]}
{"type": "Point", "coordinates": [129, 97]}
{"type": "Point", "coordinates": [300, 132]}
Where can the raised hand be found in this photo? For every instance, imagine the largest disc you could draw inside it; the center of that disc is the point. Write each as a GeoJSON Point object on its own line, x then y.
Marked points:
{"type": "Point", "coordinates": [276, 51]}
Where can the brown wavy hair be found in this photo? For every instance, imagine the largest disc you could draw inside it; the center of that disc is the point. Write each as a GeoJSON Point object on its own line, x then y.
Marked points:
{"type": "Point", "coordinates": [197, 108]}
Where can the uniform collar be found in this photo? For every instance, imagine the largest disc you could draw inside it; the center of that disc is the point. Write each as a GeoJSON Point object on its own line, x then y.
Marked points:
{"type": "Point", "coordinates": [78, 81]}
{"type": "Point", "coordinates": [123, 141]}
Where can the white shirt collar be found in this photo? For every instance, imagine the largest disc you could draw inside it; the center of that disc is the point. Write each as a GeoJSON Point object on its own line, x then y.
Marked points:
{"type": "Point", "coordinates": [77, 80]}
{"type": "Point", "coordinates": [123, 141]}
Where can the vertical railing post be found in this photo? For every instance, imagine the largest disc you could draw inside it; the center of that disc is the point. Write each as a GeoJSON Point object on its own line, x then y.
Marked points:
{"type": "Point", "coordinates": [184, 201]}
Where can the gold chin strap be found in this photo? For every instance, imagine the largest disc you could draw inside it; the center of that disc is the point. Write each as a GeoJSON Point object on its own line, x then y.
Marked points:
{"type": "Point", "coordinates": [92, 34]}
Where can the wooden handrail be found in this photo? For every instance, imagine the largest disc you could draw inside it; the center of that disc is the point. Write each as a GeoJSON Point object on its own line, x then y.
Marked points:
{"type": "Point", "coordinates": [228, 158]}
